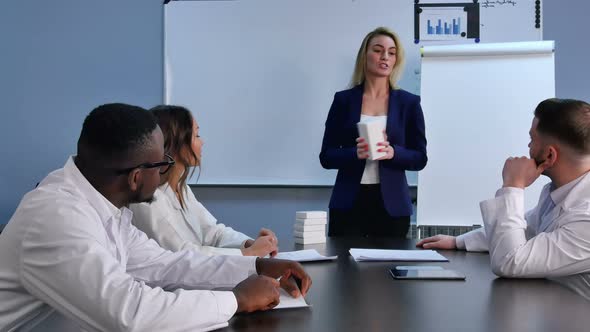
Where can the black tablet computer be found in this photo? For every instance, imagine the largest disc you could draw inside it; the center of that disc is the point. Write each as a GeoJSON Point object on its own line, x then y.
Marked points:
{"type": "Point", "coordinates": [433, 274]}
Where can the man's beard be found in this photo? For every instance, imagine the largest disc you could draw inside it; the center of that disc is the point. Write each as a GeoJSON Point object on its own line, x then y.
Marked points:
{"type": "Point", "coordinates": [136, 198]}
{"type": "Point", "coordinates": [538, 160]}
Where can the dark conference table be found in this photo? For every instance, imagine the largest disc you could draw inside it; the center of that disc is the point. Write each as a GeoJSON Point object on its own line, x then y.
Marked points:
{"type": "Point", "coordinates": [351, 296]}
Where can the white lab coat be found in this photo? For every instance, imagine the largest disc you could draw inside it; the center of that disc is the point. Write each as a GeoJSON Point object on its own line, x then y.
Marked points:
{"type": "Point", "coordinates": [193, 227]}
{"type": "Point", "coordinates": [519, 248]}
{"type": "Point", "coordinates": [68, 253]}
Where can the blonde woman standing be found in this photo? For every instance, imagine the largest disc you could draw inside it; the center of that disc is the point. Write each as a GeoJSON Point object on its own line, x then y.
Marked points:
{"type": "Point", "coordinates": [372, 198]}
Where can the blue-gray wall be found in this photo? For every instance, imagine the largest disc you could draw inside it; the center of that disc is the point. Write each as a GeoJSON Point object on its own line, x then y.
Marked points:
{"type": "Point", "coordinates": [61, 58]}
{"type": "Point", "coordinates": [249, 209]}
{"type": "Point", "coordinates": [565, 22]}
{"type": "Point", "coordinates": [58, 60]}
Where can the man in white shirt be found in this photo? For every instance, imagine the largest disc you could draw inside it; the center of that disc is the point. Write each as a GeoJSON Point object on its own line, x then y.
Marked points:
{"type": "Point", "coordinates": [70, 253]}
{"type": "Point", "coordinates": [553, 239]}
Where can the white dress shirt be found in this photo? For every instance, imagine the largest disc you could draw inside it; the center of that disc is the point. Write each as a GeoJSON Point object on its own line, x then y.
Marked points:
{"type": "Point", "coordinates": [69, 255]}
{"type": "Point", "coordinates": [193, 227]}
{"type": "Point", "coordinates": [553, 244]}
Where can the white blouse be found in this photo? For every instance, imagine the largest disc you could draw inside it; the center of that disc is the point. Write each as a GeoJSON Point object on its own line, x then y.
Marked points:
{"type": "Point", "coordinates": [371, 172]}
{"type": "Point", "coordinates": [175, 228]}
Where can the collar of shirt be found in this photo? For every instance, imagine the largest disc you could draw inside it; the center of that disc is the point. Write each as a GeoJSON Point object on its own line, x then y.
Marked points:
{"type": "Point", "coordinates": [171, 195]}
{"type": "Point", "coordinates": [105, 209]}
{"type": "Point", "coordinates": [559, 195]}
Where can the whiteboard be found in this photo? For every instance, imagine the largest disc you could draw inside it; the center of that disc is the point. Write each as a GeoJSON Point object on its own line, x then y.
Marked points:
{"type": "Point", "coordinates": [260, 75]}
{"type": "Point", "coordinates": [480, 101]}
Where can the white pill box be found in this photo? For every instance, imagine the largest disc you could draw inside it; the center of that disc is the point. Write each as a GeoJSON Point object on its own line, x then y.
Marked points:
{"type": "Point", "coordinates": [309, 222]}
{"type": "Point", "coordinates": [307, 240]}
{"type": "Point", "coordinates": [309, 234]}
{"type": "Point", "coordinates": [311, 215]}
{"type": "Point", "coordinates": [372, 132]}
{"type": "Point", "coordinates": [302, 227]}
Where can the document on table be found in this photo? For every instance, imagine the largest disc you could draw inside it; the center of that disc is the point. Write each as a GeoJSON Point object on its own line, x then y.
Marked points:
{"type": "Point", "coordinates": [308, 255]}
{"type": "Point", "coordinates": [287, 301]}
{"type": "Point", "coordinates": [396, 255]}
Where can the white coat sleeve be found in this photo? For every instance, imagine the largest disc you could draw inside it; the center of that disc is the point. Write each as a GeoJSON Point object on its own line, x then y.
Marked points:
{"type": "Point", "coordinates": [158, 226]}
{"type": "Point", "coordinates": [564, 251]}
{"type": "Point", "coordinates": [188, 269]}
{"type": "Point", "coordinates": [67, 263]}
{"type": "Point", "coordinates": [214, 234]}
{"type": "Point", "coordinates": [476, 240]}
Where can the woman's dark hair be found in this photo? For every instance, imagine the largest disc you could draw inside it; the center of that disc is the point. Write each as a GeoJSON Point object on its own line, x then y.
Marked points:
{"type": "Point", "coordinates": [176, 123]}
{"type": "Point", "coordinates": [567, 120]}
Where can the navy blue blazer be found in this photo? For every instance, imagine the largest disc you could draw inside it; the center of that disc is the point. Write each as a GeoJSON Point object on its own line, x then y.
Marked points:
{"type": "Point", "coordinates": [405, 132]}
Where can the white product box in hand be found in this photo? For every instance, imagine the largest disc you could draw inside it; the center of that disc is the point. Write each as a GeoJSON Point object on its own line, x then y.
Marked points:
{"type": "Point", "coordinates": [310, 227]}
{"type": "Point", "coordinates": [372, 132]}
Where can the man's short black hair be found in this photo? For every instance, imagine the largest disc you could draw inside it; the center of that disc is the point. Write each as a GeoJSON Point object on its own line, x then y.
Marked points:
{"type": "Point", "coordinates": [567, 120]}
{"type": "Point", "coordinates": [114, 131]}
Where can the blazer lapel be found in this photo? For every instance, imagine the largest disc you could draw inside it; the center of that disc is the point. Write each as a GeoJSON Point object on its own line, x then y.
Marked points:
{"type": "Point", "coordinates": [393, 110]}
{"type": "Point", "coordinates": [185, 215]}
{"type": "Point", "coordinates": [356, 103]}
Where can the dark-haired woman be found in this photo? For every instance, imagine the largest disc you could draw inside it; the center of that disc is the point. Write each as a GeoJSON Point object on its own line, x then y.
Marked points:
{"type": "Point", "coordinates": [175, 219]}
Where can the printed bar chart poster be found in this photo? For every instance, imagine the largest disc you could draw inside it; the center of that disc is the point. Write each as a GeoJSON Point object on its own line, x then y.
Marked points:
{"type": "Point", "coordinates": [446, 22]}
{"type": "Point", "coordinates": [443, 23]}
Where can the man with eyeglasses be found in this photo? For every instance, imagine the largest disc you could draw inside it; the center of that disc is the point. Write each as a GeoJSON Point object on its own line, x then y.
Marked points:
{"type": "Point", "coordinates": [70, 259]}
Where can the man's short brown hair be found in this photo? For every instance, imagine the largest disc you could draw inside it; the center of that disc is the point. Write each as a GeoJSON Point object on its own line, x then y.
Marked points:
{"type": "Point", "coordinates": [567, 120]}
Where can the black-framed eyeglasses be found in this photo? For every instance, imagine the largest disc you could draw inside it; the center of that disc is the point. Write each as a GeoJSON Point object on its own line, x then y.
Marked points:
{"type": "Point", "coordinates": [164, 165]}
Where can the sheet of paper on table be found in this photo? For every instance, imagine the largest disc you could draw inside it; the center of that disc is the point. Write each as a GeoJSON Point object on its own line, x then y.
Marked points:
{"type": "Point", "coordinates": [287, 301]}
{"type": "Point", "coordinates": [396, 255]}
{"type": "Point", "coordinates": [307, 255]}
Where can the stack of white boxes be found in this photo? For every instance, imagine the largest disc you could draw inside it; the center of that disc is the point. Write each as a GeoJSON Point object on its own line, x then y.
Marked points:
{"type": "Point", "coordinates": [310, 227]}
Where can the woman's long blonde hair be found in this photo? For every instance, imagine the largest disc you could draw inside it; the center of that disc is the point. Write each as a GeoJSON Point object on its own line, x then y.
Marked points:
{"type": "Point", "coordinates": [359, 74]}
